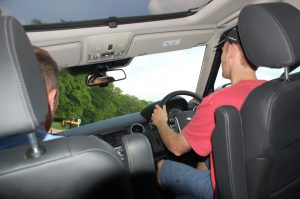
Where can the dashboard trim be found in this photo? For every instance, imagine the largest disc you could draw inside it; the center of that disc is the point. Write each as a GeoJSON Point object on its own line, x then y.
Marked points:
{"type": "Point", "coordinates": [106, 126]}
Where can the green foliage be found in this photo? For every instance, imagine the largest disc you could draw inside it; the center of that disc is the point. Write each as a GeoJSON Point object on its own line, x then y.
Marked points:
{"type": "Point", "coordinates": [36, 22]}
{"type": "Point", "coordinates": [93, 104]}
{"type": "Point", "coordinates": [57, 125]}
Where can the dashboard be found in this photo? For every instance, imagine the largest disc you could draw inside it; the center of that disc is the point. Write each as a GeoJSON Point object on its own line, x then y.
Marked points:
{"type": "Point", "coordinates": [112, 130]}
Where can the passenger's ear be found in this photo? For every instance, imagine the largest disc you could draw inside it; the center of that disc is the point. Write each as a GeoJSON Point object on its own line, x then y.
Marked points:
{"type": "Point", "coordinates": [51, 99]}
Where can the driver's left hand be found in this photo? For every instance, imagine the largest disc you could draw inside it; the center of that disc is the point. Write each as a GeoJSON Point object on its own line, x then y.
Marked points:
{"type": "Point", "coordinates": [159, 116]}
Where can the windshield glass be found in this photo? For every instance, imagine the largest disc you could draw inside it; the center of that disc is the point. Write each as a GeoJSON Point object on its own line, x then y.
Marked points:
{"type": "Point", "coordinates": [149, 79]}
{"type": "Point", "coordinates": [36, 12]}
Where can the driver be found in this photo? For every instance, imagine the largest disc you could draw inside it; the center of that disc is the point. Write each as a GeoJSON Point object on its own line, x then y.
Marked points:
{"type": "Point", "coordinates": [186, 180]}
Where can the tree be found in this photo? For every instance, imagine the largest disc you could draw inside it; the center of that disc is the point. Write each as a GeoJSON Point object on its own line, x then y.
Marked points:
{"type": "Point", "coordinates": [36, 22]}
{"type": "Point", "coordinates": [92, 104]}
{"type": "Point", "coordinates": [74, 96]}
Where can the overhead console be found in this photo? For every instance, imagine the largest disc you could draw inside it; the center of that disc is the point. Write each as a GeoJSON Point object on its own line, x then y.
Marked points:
{"type": "Point", "coordinates": [106, 47]}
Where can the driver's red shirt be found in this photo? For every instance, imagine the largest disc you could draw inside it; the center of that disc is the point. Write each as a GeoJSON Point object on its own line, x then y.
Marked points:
{"type": "Point", "coordinates": [198, 131]}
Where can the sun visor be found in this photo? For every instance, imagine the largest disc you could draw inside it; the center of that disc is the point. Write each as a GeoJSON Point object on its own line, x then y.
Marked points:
{"type": "Point", "coordinates": [165, 42]}
{"type": "Point", "coordinates": [65, 55]}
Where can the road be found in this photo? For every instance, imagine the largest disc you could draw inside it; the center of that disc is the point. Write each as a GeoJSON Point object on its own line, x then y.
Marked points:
{"type": "Point", "coordinates": [54, 130]}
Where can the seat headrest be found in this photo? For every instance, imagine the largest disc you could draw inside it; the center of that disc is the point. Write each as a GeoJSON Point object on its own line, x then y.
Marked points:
{"type": "Point", "coordinates": [270, 34]}
{"type": "Point", "coordinates": [23, 101]}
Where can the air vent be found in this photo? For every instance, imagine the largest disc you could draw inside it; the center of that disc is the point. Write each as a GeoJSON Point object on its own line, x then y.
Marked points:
{"type": "Point", "coordinates": [137, 128]}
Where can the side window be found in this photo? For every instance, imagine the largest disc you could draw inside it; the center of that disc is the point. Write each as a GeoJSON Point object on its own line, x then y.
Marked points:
{"type": "Point", "coordinates": [268, 73]}
{"type": "Point", "coordinates": [220, 80]}
{"type": "Point", "coordinates": [261, 73]}
{"type": "Point", "coordinates": [296, 70]}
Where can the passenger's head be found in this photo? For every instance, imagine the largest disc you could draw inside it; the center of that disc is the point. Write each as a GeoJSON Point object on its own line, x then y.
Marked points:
{"type": "Point", "coordinates": [49, 72]}
{"type": "Point", "coordinates": [234, 61]}
{"type": "Point", "coordinates": [48, 68]}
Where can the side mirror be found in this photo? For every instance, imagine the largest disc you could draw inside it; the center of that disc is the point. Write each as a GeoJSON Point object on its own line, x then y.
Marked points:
{"type": "Point", "coordinates": [102, 79]}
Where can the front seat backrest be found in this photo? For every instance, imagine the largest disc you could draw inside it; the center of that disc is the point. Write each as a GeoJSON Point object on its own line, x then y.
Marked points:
{"type": "Point", "coordinates": [258, 152]}
{"type": "Point", "coordinates": [70, 167]}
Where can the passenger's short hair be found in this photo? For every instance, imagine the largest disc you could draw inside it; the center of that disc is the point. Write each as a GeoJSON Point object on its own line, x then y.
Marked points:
{"type": "Point", "coordinates": [48, 67]}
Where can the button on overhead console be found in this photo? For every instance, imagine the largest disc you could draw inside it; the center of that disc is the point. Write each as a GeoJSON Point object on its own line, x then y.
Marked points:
{"type": "Point", "coordinates": [110, 47]}
{"type": "Point", "coordinates": [106, 47]}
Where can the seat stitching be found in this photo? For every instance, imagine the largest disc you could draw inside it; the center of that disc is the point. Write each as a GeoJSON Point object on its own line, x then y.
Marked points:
{"type": "Point", "coordinates": [126, 145]}
{"type": "Point", "coordinates": [19, 78]}
{"type": "Point", "coordinates": [228, 143]}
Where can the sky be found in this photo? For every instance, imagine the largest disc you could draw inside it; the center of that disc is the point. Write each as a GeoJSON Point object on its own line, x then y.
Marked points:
{"type": "Point", "coordinates": [151, 77]}
{"type": "Point", "coordinates": [52, 11]}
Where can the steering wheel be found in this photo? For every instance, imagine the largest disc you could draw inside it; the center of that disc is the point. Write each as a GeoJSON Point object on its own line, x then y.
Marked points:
{"type": "Point", "coordinates": [184, 117]}
{"type": "Point", "coordinates": [181, 92]}
{"type": "Point", "coordinates": [179, 123]}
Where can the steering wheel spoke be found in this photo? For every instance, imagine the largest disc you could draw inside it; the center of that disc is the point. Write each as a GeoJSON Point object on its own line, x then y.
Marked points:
{"type": "Point", "coordinates": [180, 118]}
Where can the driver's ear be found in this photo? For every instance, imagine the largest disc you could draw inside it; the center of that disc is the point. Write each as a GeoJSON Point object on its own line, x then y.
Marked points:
{"type": "Point", "coordinates": [230, 50]}
{"type": "Point", "coordinates": [234, 50]}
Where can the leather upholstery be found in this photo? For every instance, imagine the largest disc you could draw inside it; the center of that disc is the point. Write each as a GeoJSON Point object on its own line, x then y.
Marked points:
{"type": "Point", "coordinates": [71, 167]}
{"type": "Point", "coordinates": [139, 159]}
{"type": "Point", "coordinates": [270, 34]}
{"type": "Point", "coordinates": [257, 149]}
{"type": "Point", "coordinates": [139, 155]}
{"type": "Point", "coordinates": [18, 72]}
{"type": "Point", "coordinates": [271, 133]}
{"type": "Point", "coordinates": [228, 145]}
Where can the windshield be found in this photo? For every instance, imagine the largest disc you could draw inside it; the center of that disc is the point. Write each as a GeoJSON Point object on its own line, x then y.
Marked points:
{"type": "Point", "coordinates": [37, 12]}
{"type": "Point", "coordinates": [149, 79]}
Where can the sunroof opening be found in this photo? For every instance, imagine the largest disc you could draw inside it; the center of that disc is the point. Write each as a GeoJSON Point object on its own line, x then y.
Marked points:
{"type": "Point", "coordinates": [41, 12]}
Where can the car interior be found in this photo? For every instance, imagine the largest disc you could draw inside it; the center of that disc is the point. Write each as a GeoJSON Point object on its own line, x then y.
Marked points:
{"type": "Point", "coordinates": [256, 150]}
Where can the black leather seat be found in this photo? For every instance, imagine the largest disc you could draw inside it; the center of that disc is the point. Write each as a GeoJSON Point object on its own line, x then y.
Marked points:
{"type": "Point", "coordinates": [73, 167]}
{"type": "Point", "coordinates": [140, 161]}
{"type": "Point", "coordinates": [257, 149]}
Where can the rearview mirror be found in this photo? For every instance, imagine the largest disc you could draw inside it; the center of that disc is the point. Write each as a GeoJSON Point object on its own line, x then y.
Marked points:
{"type": "Point", "coordinates": [102, 79]}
